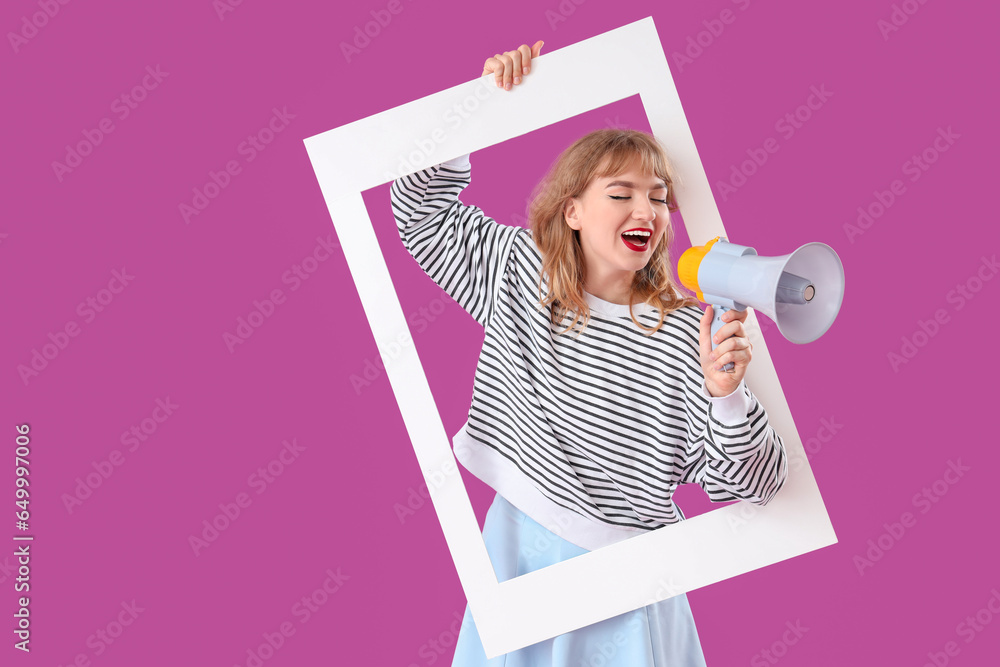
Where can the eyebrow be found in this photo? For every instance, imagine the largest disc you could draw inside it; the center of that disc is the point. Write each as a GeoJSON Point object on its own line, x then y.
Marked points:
{"type": "Point", "coordinates": [660, 185]}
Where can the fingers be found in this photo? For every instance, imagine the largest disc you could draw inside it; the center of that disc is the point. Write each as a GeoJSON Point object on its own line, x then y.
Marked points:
{"type": "Point", "coordinates": [731, 315]}
{"type": "Point", "coordinates": [729, 329]}
{"type": "Point", "coordinates": [508, 70]}
{"type": "Point", "coordinates": [525, 52]}
{"type": "Point", "coordinates": [516, 68]}
{"type": "Point", "coordinates": [736, 349]}
{"type": "Point", "coordinates": [732, 343]}
{"type": "Point", "coordinates": [509, 67]}
{"type": "Point", "coordinates": [494, 65]}
{"type": "Point", "coordinates": [705, 337]}
{"type": "Point", "coordinates": [521, 56]}
{"type": "Point", "coordinates": [506, 73]}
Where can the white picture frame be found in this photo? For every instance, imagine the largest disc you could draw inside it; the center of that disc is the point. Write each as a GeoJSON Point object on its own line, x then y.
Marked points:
{"type": "Point", "coordinates": [702, 550]}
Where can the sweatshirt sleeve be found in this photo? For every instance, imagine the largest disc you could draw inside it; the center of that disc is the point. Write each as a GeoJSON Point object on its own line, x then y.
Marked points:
{"type": "Point", "coordinates": [735, 455]}
{"type": "Point", "coordinates": [458, 246]}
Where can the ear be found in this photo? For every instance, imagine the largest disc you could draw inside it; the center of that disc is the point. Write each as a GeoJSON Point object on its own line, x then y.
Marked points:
{"type": "Point", "coordinates": [571, 211]}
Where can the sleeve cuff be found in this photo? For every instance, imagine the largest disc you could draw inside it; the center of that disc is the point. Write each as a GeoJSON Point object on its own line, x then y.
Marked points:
{"type": "Point", "coordinates": [731, 410]}
{"type": "Point", "coordinates": [460, 162]}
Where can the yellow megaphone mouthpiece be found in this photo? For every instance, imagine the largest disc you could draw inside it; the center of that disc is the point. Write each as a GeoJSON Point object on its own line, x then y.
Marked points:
{"type": "Point", "coordinates": [688, 265]}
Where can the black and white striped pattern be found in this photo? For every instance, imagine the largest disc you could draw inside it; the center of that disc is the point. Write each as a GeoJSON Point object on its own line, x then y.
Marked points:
{"type": "Point", "coordinates": [606, 425]}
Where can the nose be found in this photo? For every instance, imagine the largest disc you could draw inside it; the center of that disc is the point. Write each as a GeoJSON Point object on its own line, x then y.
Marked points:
{"type": "Point", "coordinates": [643, 210]}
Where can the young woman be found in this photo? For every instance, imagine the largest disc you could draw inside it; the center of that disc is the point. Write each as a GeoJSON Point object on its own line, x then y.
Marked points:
{"type": "Point", "coordinates": [597, 392]}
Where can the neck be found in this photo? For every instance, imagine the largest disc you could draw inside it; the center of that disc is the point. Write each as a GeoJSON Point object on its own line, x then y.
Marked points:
{"type": "Point", "coordinates": [612, 288]}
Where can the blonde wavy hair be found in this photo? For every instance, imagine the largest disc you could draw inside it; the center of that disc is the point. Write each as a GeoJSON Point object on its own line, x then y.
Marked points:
{"type": "Point", "coordinates": [602, 153]}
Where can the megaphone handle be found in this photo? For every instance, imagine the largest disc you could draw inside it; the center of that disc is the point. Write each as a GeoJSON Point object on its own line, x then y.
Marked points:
{"type": "Point", "coordinates": [717, 323]}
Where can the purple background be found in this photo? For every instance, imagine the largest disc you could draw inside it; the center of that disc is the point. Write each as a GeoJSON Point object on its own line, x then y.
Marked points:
{"type": "Point", "coordinates": [335, 504]}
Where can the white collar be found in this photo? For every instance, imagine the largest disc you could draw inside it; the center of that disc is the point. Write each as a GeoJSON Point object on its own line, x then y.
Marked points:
{"type": "Point", "coordinates": [615, 309]}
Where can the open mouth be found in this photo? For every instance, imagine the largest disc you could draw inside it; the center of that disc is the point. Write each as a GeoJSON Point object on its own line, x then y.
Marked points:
{"type": "Point", "coordinates": [636, 239]}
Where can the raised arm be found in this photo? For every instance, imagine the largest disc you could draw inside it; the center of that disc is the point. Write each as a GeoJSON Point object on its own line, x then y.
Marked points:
{"type": "Point", "coordinates": [458, 246]}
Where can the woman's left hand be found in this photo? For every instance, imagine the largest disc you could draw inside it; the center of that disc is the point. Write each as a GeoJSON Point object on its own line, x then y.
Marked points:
{"type": "Point", "coordinates": [734, 347]}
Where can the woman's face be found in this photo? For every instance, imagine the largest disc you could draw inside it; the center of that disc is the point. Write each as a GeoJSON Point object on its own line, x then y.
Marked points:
{"type": "Point", "coordinates": [607, 210]}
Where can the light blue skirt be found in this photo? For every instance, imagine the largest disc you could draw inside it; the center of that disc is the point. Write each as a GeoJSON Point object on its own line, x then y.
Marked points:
{"type": "Point", "coordinates": [658, 635]}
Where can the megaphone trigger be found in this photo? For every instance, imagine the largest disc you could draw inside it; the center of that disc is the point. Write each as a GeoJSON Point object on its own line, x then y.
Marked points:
{"type": "Point", "coordinates": [717, 323]}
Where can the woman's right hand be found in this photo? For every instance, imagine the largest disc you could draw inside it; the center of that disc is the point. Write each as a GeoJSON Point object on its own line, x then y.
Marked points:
{"type": "Point", "coordinates": [510, 66]}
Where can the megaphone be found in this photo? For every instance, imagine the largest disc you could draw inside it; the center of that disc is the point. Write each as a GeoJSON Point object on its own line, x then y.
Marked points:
{"type": "Point", "coordinates": [800, 292]}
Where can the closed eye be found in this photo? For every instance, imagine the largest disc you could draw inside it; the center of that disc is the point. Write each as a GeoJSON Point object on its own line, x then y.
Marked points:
{"type": "Point", "coordinates": [662, 201]}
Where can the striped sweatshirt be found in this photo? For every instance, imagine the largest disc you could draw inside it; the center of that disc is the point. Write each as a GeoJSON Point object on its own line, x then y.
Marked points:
{"type": "Point", "coordinates": [587, 435]}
